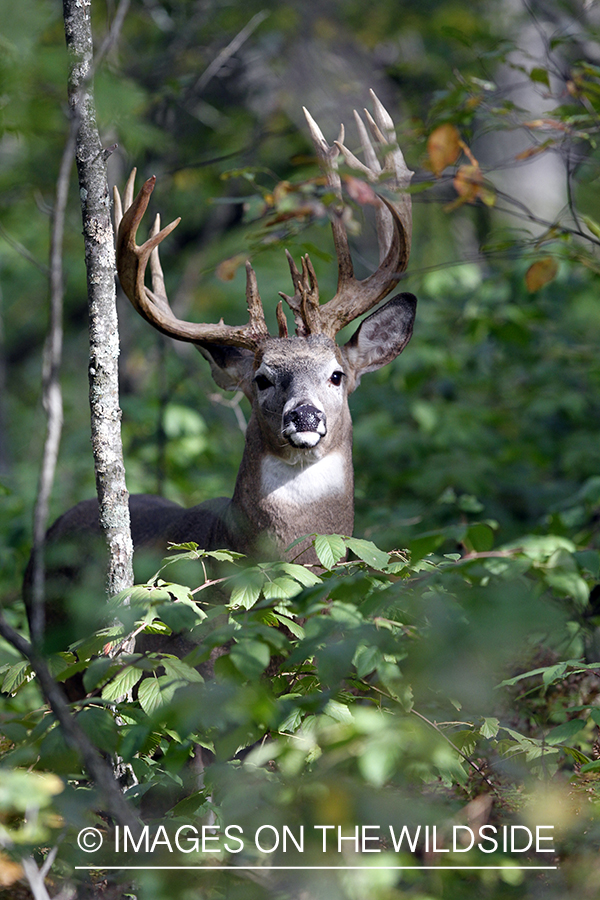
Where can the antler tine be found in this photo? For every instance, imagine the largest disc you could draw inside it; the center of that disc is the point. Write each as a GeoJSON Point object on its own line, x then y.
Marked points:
{"type": "Point", "coordinates": [127, 198]}
{"type": "Point", "coordinates": [327, 158]}
{"type": "Point", "coordinates": [305, 302]}
{"type": "Point", "coordinates": [281, 320]}
{"type": "Point", "coordinates": [256, 324]}
{"type": "Point", "coordinates": [153, 305]}
{"type": "Point", "coordinates": [393, 219]}
{"type": "Point", "coordinates": [159, 293]}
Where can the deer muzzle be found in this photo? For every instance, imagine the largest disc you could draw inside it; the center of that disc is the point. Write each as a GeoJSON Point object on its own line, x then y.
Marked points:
{"type": "Point", "coordinates": [304, 426]}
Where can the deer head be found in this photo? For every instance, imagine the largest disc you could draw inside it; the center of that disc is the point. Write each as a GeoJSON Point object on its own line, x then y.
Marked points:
{"type": "Point", "coordinates": [296, 474]}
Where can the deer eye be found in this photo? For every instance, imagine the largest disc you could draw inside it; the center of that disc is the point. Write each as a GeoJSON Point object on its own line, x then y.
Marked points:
{"type": "Point", "coordinates": [336, 378]}
{"type": "Point", "coordinates": [262, 382]}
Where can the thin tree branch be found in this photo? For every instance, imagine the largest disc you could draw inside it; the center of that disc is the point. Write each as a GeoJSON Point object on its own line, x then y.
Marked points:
{"type": "Point", "coordinates": [227, 52]}
{"type": "Point", "coordinates": [23, 251]}
{"type": "Point", "coordinates": [99, 770]}
{"type": "Point", "coordinates": [52, 395]}
{"type": "Point", "coordinates": [466, 758]}
{"type": "Point", "coordinates": [112, 35]}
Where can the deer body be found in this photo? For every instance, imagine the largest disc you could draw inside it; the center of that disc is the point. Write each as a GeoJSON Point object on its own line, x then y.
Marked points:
{"type": "Point", "coordinates": [296, 476]}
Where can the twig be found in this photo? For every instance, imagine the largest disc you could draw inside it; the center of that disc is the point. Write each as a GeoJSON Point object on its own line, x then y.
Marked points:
{"type": "Point", "coordinates": [36, 877]}
{"type": "Point", "coordinates": [112, 35]}
{"type": "Point", "coordinates": [234, 404]}
{"type": "Point", "coordinates": [227, 52]}
{"type": "Point", "coordinates": [52, 395]}
{"type": "Point", "coordinates": [100, 771]}
{"type": "Point", "coordinates": [23, 251]}
{"type": "Point", "coordinates": [570, 198]}
{"type": "Point", "coordinates": [473, 765]}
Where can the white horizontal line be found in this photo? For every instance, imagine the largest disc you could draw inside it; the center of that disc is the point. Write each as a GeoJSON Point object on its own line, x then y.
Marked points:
{"type": "Point", "coordinates": [312, 868]}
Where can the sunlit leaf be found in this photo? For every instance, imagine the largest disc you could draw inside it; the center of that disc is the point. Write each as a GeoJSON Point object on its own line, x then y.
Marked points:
{"type": "Point", "coordinates": [245, 594]}
{"type": "Point", "coordinates": [330, 549]}
{"type": "Point", "coordinates": [122, 683]}
{"type": "Point", "coordinates": [443, 147]}
{"type": "Point", "coordinates": [368, 552]}
{"type": "Point", "coordinates": [540, 273]}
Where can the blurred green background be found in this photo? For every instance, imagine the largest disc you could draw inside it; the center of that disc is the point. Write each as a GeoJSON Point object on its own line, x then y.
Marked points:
{"type": "Point", "coordinates": [485, 433]}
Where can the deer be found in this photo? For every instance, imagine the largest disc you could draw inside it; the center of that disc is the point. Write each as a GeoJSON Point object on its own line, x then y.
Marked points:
{"type": "Point", "coordinates": [296, 476]}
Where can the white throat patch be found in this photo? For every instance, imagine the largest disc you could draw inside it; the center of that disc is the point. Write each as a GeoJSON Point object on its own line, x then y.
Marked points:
{"type": "Point", "coordinates": [294, 484]}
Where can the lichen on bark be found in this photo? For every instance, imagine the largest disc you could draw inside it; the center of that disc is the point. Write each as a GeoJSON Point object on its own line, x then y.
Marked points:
{"type": "Point", "coordinates": [103, 326]}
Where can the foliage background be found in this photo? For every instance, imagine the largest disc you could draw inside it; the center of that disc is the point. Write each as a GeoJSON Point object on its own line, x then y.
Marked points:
{"type": "Point", "coordinates": [484, 434]}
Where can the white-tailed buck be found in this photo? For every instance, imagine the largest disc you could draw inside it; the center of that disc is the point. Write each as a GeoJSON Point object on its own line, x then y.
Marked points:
{"type": "Point", "coordinates": [296, 475]}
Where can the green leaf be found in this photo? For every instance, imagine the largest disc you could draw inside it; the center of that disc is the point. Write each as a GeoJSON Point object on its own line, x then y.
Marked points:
{"type": "Point", "coordinates": [180, 616]}
{"type": "Point", "coordinates": [330, 549]}
{"type": "Point", "coordinates": [149, 695]}
{"type": "Point", "coordinates": [250, 657]}
{"type": "Point", "coordinates": [368, 552]}
{"type": "Point", "coordinates": [568, 584]}
{"type": "Point", "coordinates": [224, 555]}
{"type": "Point", "coordinates": [592, 225]}
{"type": "Point", "coordinates": [121, 684]}
{"type": "Point", "coordinates": [554, 673]}
{"type": "Point", "coordinates": [281, 588]}
{"type": "Point", "coordinates": [366, 660]}
{"type": "Point", "coordinates": [23, 790]}
{"type": "Point", "coordinates": [377, 762]}
{"type": "Point", "coordinates": [15, 676]}
{"type": "Point", "coordinates": [589, 560]}
{"type": "Point", "coordinates": [540, 76]}
{"type": "Point", "coordinates": [100, 727]}
{"type": "Point", "coordinates": [97, 672]}
{"type": "Point", "coordinates": [296, 630]}
{"type": "Point", "coordinates": [338, 711]}
{"type": "Point", "coordinates": [490, 728]}
{"type": "Point", "coordinates": [179, 669]}
{"type": "Point", "coordinates": [245, 594]}
{"type": "Point", "coordinates": [305, 576]}
{"type": "Point", "coordinates": [426, 544]}
{"type": "Point", "coordinates": [565, 732]}
{"type": "Point", "coordinates": [479, 537]}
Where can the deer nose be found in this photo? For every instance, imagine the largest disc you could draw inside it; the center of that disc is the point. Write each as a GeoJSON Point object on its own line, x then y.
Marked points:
{"type": "Point", "coordinates": [302, 421]}
{"type": "Point", "coordinates": [304, 418]}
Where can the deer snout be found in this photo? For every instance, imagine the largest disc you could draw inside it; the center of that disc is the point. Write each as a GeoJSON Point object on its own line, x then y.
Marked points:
{"type": "Point", "coordinates": [304, 426]}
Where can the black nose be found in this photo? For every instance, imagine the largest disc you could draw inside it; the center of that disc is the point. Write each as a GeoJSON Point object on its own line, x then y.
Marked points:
{"type": "Point", "coordinates": [304, 418]}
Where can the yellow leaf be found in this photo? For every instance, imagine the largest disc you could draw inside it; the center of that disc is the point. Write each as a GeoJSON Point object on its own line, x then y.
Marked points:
{"type": "Point", "coordinates": [9, 871]}
{"type": "Point", "coordinates": [540, 273]}
{"type": "Point", "coordinates": [227, 269]}
{"type": "Point", "coordinates": [360, 191]}
{"type": "Point", "coordinates": [443, 147]}
{"type": "Point", "coordinates": [533, 151]}
{"type": "Point", "coordinates": [470, 186]}
{"type": "Point", "coordinates": [467, 183]}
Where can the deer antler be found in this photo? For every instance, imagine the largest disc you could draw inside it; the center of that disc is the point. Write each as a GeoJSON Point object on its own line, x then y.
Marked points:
{"type": "Point", "coordinates": [394, 220]}
{"type": "Point", "coordinates": [352, 298]}
{"type": "Point", "coordinates": [153, 305]}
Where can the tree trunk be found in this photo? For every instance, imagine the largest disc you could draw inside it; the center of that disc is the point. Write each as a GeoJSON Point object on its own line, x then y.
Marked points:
{"type": "Point", "coordinates": [100, 262]}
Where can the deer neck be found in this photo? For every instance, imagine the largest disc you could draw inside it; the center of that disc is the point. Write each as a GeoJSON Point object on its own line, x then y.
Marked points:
{"type": "Point", "coordinates": [285, 494]}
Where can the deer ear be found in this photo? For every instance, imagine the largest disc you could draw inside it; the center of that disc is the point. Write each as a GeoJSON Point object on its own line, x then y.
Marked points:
{"type": "Point", "coordinates": [232, 368]}
{"type": "Point", "coordinates": [380, 338]}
